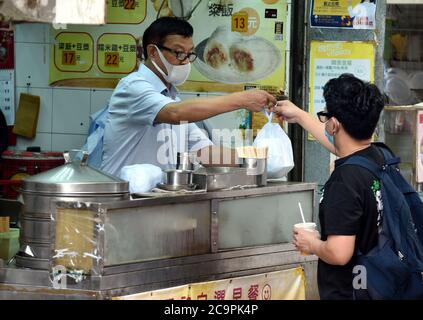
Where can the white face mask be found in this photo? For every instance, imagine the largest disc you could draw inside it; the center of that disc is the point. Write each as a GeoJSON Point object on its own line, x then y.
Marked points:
{"type": "Point", "coordinates": [176, 75]}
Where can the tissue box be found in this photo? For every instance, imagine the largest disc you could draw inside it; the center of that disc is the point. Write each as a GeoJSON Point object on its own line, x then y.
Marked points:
{"type": "Point", "coordinates": [9, 243]}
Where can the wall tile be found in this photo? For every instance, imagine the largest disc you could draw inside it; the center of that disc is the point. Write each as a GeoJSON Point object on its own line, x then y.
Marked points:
{"type": "Point", "coordinates": [42, 140]}
{"type": "Point", "coordinates": [66, 142]}
{"type": "Point", "coordinates": [32, 64]}
{"type": "Point", "coordinates": [71, 110]}
{"type": "Point", "coordinates": [32, 32]}
{"type": "Point", "coordinates": [192, 95]}
{"type": "Point", "coordinates": [99, 99]}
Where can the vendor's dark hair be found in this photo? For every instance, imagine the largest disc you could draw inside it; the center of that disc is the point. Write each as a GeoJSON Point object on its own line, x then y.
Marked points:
{"type": "Point", "coordinates": [356, 104]}
{"type": "Point", "coordinates": [163, 27]}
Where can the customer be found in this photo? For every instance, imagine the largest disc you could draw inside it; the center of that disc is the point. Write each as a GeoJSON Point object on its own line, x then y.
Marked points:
{"type": "Point", "coordinates": [350, 206]}
{"type": "Point", "coordinates": [144, 109]}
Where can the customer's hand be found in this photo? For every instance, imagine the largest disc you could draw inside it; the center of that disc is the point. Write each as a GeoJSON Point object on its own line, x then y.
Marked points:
{"type": "Point", "coordinates": [303, 239]}
{"type": "Point", "coordinates": [286, 110]}
{"type": "Point", "coordinates": [256, 100]}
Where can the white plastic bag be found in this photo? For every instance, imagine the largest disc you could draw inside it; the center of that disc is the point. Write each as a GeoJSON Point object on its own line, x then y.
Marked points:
{"type": "Point", "coordinates": [280, 159]}
{"type": "Point", "coordinates": [141, 177]}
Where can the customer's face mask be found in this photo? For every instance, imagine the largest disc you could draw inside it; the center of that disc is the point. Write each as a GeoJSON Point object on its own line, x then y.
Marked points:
{"type": "Point", "coordinates": [176, 74]}
{"type": "Point", "coordinates": [330, 138]}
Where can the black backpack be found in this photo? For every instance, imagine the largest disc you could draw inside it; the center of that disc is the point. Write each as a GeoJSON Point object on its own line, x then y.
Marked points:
{"type": "Point", "coordinates": [394, 266]}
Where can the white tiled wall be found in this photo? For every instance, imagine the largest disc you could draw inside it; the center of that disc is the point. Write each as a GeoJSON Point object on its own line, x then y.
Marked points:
{"type": "Point", "coordinates": [64, 114]}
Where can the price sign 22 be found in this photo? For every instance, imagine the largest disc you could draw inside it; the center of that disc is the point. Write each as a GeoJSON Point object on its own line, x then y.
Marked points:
{"type": "Point", "coordinates": [129, 4]}
{"type": "Point", "coordinates": [111, 59]}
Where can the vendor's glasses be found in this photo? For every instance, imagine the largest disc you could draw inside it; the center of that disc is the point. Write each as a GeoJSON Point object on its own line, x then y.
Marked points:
{"type": "Point", "coordinates": [324, 116]}
{"type": "Point", "coordinates": [180, 55]}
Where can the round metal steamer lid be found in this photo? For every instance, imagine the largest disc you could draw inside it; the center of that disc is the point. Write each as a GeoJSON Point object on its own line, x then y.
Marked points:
{"type": "Point", "coordinates": [74, 178]}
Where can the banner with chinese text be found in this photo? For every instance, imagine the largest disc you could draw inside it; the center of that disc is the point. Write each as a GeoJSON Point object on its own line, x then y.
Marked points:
{"type": "Point", "coordinates": [240, 44]}
{"type": "Point", "coordinates": [356, 14]}
{"type": "Point", "coordinates": [280, 285]}
{"type": "Point", "coordinates": [330, 59]}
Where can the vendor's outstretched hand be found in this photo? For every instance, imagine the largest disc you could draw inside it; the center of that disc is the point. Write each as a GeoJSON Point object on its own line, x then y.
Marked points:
{"type": "Point", "coordinates": [256, 100]}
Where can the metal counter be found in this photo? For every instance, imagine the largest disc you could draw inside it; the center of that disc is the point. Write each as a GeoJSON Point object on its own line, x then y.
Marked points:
{"type": "Point", "coordinates": [152, 243]}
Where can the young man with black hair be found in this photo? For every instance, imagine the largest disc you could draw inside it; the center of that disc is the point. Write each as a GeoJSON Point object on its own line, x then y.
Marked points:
{"type": "Point", "coordinates": [350, 207]}
{"type": "Point", "coordinates": [145, 104]}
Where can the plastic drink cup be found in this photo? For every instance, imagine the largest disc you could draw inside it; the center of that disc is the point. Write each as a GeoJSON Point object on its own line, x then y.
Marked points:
{"type": "Point", "coordinates": [309, 226]}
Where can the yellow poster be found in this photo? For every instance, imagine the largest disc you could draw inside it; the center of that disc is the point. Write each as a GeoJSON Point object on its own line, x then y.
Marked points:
{"type": "Point", "coordinates": [239, 44]}
{"type": "Point", "coordinates": [280, 285]}
{"type": "Point", "coordinates": [330, 59]}
{"type": "Point", "coordinates": [126, 11]}
{"type": "Point", "coordinates": [73, 52]}
{"type": "Point", "coordinates": [116, 53]}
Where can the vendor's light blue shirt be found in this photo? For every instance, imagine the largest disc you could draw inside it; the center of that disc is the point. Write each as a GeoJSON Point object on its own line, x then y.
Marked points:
{"type": "Point", "coordinates": [131, 135]}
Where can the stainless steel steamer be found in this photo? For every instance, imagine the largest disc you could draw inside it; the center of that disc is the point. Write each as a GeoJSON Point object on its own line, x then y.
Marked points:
{"type": "Point", "coordinates": [73, 181]}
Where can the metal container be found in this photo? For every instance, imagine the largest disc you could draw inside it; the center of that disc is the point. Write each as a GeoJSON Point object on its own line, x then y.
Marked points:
{"type": "Point", "coordinates": [217, 178]}
{"type": "Point", "coordinates": [256, 167]}
{"type": "Point", "coordinates": [185, 161]}
{"type": "Point", "coordinates": [73, 181]}
{"type": "Point", "coordinates": [178, 177]}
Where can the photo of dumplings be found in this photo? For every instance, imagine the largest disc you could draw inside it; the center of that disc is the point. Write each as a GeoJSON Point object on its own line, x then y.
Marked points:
{"type": "Point", "coordinates": [241, 57]}
{"type": "Point", "coordinates": [216, 51]}
{"type": "Point", "coordinates": [229, 57]}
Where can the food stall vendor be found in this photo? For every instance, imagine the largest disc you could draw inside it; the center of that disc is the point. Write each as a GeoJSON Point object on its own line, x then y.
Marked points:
{"type": "Point", "coordinates": [145, 111]}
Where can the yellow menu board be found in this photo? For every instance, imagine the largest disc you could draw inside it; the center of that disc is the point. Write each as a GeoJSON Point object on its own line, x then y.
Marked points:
{"type": "Point", "coordinates": [116, 53]}
{"type": "Point", "coordinates": [330, 59]}
{"type": "Point", "coordinates": [126, 11]}
{"type": "Point", "coordinates": [253, 35]}
{"type": "Point", "coordinates": [73, 52]}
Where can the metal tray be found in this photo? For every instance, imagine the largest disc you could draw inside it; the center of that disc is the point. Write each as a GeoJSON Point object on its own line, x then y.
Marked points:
{"type": "Point", "coordinates": [175, 187]}
{"type": "Point", "coordinates": [217, 178]}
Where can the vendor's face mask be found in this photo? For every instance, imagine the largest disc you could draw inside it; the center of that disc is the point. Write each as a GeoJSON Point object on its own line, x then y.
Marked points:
{"type": "Point", "coordinates": [176, 74]}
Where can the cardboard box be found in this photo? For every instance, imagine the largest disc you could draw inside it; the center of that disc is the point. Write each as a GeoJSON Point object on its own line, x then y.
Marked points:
{"type": "Point", "coordinates": [9, 244]}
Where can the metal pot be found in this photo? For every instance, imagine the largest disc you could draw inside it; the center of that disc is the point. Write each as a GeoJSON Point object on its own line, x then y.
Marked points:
{"type": "Point", "coordinates": [73, 181]}
{"type": "Point", "coordinates": [256, 167]}
{"type": "Point", "coordinates": [178, 177]}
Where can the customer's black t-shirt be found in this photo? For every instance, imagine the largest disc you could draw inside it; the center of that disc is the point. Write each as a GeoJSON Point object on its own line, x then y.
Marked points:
{"type": "Point", "coordinates": [350, 205]}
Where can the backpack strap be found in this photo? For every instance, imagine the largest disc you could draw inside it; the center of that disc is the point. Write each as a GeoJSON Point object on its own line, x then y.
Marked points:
{"type": "Point", "coordinates": [374, 168]}
{"type": "Point", "coordinates": [388, 155]}
{"type": "Point", "coordinates": [365, 163]}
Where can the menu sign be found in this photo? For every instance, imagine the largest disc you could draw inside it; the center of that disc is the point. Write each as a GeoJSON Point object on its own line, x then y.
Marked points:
{"type": "Point", "coordinates": [116, 53]}
{"type": "Point", "coordinates": [126, 11]}
{"type": "Point", "coordinates": [73, 52]}
{"type": "Point", "coordinates": [7, 95]}
{"type": "Point", "coordinates": [239, 44]}
{"type": "Point", "coordinates": [330, 59]}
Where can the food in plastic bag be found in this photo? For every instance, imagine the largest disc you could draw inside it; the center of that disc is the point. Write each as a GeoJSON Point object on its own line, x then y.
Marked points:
{"type": "Point", "coordinates": [141, 177]}
{"type": "Point", "coordinates": [280, 159]}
